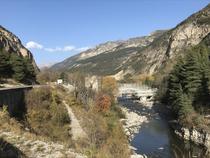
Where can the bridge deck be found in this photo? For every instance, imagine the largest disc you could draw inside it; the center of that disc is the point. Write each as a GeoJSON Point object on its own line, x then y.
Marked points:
{"type": "Point", "coordinates": [16, 88]}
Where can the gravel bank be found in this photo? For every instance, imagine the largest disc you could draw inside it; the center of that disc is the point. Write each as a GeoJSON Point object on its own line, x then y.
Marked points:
{"type": "Point", "coordinates": [134, 120]}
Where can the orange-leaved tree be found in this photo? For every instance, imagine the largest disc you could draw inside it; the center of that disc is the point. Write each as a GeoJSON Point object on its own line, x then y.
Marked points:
{"type": "Point", "coordinates": [103, 102]}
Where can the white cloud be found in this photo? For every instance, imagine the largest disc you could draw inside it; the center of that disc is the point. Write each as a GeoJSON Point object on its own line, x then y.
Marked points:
{"type": "Point", "coordinates": [82, 49]}
{"type": "Point", "coordinates": [33, 45]}
{"type": "Point", "coordinates": [59, 49]}
{"type": "Point", "coordinates": [67, 48]}
{"type": "Point", "coordinates": [56, 49]}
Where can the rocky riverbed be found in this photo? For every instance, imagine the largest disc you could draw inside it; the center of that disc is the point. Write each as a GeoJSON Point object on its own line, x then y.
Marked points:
{"type": "Point", "coordinates": [134, 120]}
{"type": "Point", "coordinates": [132, 123]}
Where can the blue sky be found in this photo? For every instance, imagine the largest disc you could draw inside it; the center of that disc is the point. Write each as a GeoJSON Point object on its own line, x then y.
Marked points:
{"type": "Point", "coordinates": [56, 29]}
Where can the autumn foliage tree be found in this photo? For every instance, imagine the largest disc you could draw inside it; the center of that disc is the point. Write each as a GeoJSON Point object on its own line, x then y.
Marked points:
{"type": "Point", "coordinates": [109, 85]}
{"type": "Point", "coordinates": [103, 102]}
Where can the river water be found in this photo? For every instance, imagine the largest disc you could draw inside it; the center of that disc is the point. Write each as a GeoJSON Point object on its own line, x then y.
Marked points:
{"type": "Point", "coordinates": [156, 140]}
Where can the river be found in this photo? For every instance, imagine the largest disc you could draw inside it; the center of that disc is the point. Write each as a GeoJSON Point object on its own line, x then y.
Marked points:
{"type": "Point", "coordinates": [156, 140]}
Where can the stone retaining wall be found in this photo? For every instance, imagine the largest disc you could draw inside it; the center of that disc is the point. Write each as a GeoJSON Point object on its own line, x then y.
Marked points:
{"type": "Point", "coordinates": [14, 98]}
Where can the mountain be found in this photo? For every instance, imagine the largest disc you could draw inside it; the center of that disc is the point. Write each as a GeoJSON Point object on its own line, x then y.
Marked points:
{"type": "Point", "coordinates": [106, 58]}
{"type": "Point", "coordinates": [12, 44]}
{"type": "Point", "coordinates": [145, 55]}
{"type": "Point", "coordinates": [171, 44]}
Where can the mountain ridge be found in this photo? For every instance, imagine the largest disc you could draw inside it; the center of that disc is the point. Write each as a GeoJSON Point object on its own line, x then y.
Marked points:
{"type": "Point", "coordinates": [141, 58]}
{"type": "Point", "coordinates": [107, 47]}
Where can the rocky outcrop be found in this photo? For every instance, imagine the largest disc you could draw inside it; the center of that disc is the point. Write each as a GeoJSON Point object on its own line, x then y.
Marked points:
{"type": "Point", "coordinates": [186, 34]}
{"type": "Point", "coordinates": [12, 44]}
{"type": "Point", "coordinates": [200, 137]}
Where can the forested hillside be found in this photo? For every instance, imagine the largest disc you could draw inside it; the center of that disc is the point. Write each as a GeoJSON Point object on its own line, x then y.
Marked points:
{"type": "Point", "coordinates": [16, 61]}
{"type": "Point", "coordinates": [187, 89]}
{"type": "Point", "coordinates": [16, 67]}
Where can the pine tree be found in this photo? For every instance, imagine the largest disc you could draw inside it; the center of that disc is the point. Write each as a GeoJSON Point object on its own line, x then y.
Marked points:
{"type": "Point", "coordinates": [18, 68]}
{"type": "Point", "coordinates": [192, 74]}
{"type": "Point", "coordinates": [189, 82]}
{"type": "Point", "coordinates": [174, 85]}
{"type": "Point", "coordinates": [64, 76]}
{"type": "Point", "coordinates": [30, 74]}
{"type": "Point", "coordinates": [186, 107]}
{"type": "Point", "coordinates": [5, 69]}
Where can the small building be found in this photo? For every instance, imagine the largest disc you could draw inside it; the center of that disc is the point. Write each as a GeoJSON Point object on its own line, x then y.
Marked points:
{"type": "Point", "coordinates": [93, 82]}
{"type": "Point", "coordinates": [59, 81]}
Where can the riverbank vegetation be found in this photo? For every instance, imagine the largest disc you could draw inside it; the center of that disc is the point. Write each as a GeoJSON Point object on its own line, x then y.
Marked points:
{"type": "Point", "coordinates": [99, 115]}
{"type": "Point", "coordinates": [106, 138]}
{"type": "Point", "coordinates": [100, 118]}
{"type": "Point", "coordinates": [187, 88]}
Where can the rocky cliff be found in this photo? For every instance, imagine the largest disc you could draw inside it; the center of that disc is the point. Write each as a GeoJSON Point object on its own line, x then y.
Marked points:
{"type": "Point", "coordinates": [12, 44]}
{"type": "Point", "coordinates": [150, 54]}
{"type": "Point", "coordinates": [186, 34]}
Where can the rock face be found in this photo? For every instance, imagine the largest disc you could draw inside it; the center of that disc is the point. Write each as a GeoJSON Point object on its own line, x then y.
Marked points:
{"type": "Point", "coordinates": [198, 137]}
{"type": "Point", "coordinates": [148, 54]}
{"type": "Point", "coordinates": [12, 44]}
{"type": "Point", "coordinates": [186, 34]}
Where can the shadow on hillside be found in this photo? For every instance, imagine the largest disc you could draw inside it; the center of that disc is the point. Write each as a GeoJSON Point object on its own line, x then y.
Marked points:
{"type": "Point", "coordinates": [7, 150]}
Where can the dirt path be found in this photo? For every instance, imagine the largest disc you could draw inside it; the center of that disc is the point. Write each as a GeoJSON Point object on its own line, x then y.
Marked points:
{"type": "Point", "coordinates": [76, 130]}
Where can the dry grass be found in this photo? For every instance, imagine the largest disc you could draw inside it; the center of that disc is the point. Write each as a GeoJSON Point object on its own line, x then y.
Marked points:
{"type": "Point", "coordinates": [106, 138]}
{"type": "Point", "coordinates": [47, 116]}
{"type": "Point", "coordinates": [47, 120]}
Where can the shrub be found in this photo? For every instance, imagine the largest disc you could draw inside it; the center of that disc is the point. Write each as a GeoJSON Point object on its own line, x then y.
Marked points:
{"type": "Point", "coordinates": [103, 102]}
{"type": "Point", "coordinates": [47, 116]}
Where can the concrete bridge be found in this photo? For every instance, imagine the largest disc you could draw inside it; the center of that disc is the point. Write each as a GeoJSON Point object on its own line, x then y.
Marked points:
{"type": "Point", "coordinates": [136, 92]}
{"type": "Point", "coordinates": [14, 99]}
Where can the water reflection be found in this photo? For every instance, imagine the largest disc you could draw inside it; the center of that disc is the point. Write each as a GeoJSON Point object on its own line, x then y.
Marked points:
{"type": "Point", "coordinates": [156, 140]}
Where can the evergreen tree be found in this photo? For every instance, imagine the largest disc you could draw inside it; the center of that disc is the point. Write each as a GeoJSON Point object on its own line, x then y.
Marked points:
{"type": "Point", "coordinates": [189, 82]}
{"type": "Point", "coordinates": [185, 106]}
{"type": "Point", "coordinates": [18, 67]}
{"type": "Point", "coordinates": [30, 74]}
{"type": "Point", "coordinates": [174, 85]}
{"type": "Point", "coordinates": [64, 77]}
{"type": "Point", "coordinates": [5, 69]}
{"type": "Point", "coordinates": [192, 74]}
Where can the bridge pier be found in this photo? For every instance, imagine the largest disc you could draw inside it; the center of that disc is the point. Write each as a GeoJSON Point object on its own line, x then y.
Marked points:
{"type": "Point", "coordinates": [141, 93]}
